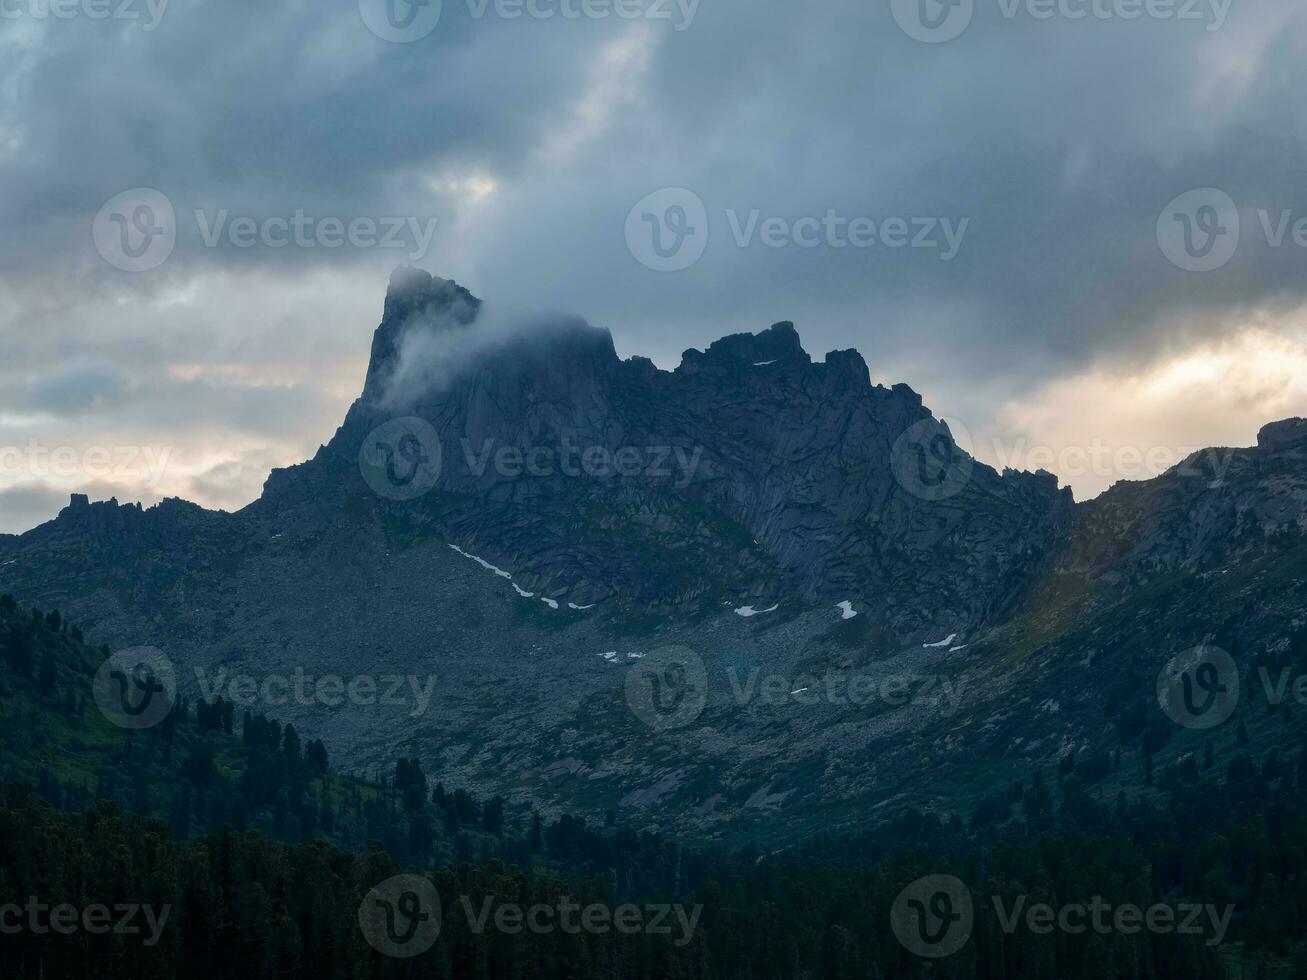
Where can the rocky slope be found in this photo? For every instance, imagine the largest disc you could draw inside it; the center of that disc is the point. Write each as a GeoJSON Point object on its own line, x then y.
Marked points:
{"type": "Point", "coordinates": [749, 472]}
{"type": "Point", "coordinates": [515, 510]}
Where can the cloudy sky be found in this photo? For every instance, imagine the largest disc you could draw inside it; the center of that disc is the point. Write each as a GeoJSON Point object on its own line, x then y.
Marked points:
{"type": "Point", "coordinates": [1073, 225]}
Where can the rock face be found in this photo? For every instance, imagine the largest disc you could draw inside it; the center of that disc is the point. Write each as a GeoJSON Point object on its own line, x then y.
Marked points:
{"type": "Point", "coordinates": [515, 510]}
{"type": "Point", "coordinates": [749, 472]}
{"type": "Point", "coordinates": [1218, 506]}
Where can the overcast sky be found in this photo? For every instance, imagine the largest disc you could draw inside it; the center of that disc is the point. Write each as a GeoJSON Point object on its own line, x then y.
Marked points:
{"type": "Point", "coordinates": [1071, 225]}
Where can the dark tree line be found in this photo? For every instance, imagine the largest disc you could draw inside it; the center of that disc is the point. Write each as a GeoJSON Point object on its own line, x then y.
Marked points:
{"type": "Point", "coordinates": [263, 855]}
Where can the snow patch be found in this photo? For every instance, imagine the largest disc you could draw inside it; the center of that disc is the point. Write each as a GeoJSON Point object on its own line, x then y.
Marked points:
{"type": "Point", "coordinates": [551, 603]}
{"type": "Point", "coordinates": [747, 611]}
{"type": "Point", "coordinates": [483, 563]}
{"type": "Point", "coordinates": [573, 605]}
{"type": "Point", "coordinates": [763, 363]}
{"type": "Point", "coordinates": [942, 643]}
{"type": "Point", "coordinates": [846, 609]}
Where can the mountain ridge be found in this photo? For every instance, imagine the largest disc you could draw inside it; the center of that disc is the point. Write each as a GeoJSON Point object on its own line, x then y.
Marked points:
{"type": "Point", "coordinates": [827, 526]}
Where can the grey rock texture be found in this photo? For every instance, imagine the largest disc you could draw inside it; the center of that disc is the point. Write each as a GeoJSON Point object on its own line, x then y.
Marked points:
{"type": "Point", "coordinates": [754, 472]}
{"type": "Point", "coordinates": [1031, 618]}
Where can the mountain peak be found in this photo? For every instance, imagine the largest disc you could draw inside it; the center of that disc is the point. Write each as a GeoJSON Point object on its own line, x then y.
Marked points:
{"type": "Point", "coordinates": [412, 291]}
{"type": "Point", "coordinates": [1283, 434]}
{"type": "Point", "coordinates": [414, 297]}
{"type": "Point", "coordinates": [779, 344]}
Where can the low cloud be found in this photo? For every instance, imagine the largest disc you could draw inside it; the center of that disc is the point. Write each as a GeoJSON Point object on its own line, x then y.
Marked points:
{"type": "Point", "coordinates": [1060, 141]}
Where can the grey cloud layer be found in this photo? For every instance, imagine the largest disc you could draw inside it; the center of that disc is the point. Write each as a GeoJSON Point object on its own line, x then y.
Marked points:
{"type": "Point", "coordinates": [1059, 140]}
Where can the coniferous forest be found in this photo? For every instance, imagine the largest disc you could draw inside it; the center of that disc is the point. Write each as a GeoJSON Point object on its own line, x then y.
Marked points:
{"type": "Point", "coordinates": [257, 862]}
{"type": "Point", "coordinates": [653, 490]}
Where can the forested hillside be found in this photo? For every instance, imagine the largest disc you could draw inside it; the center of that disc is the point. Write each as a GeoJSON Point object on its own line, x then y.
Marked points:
{"type": "Point", "coordinates": [243, 855]}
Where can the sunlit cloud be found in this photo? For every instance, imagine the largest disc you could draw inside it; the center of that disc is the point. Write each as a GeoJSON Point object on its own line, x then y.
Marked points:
{"type": "Point", "coordinates": [1127, 423]}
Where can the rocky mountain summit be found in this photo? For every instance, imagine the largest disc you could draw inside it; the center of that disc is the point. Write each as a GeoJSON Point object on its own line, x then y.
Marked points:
{"type": "Point", "coordinates": [519, 515]}
{"type": "Point", "coordinates": [749, 472]}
